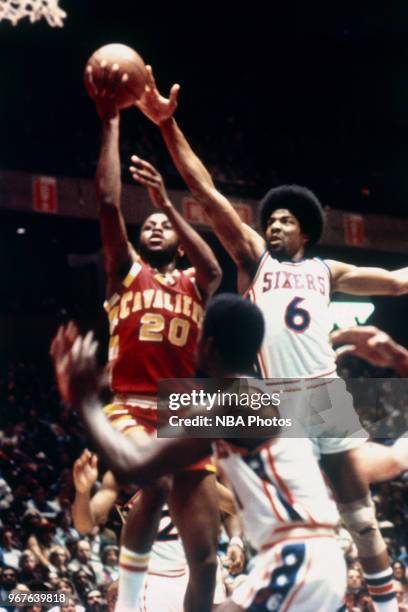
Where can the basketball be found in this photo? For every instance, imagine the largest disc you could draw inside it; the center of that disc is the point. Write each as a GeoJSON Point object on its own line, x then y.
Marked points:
{"type": "Point", "coordinates": [117, 69]}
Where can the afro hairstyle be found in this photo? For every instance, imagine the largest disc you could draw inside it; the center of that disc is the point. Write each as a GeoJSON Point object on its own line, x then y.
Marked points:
{"type": "Point", "coordinates": [302, 203]}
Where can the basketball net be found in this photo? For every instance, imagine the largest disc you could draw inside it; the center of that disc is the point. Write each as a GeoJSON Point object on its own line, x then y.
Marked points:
{"type": "Point", "coordinates": [14, 10]}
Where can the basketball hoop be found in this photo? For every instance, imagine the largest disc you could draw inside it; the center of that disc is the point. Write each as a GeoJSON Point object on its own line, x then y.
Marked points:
{"type": "Point", "coordinates": [14, 10]}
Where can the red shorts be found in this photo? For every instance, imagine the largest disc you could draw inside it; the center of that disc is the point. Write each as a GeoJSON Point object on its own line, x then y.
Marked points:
{"type": "Point", "coordinates": [127, 418]}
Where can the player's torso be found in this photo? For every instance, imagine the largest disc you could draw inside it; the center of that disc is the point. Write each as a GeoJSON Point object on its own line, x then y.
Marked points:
{"type": "Point", "coordinates": [278, 486]}
{"type": "Point", "coordinates": [154, 323]}
{"type": "Point", "coordinates": [294, 299]}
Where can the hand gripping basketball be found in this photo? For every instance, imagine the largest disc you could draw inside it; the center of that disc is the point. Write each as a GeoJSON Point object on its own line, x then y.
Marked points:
{"type": "Point", "coordinates": [115, 78]}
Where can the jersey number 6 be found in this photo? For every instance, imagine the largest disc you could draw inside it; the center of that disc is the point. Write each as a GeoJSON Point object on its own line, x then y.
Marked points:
{"type": "Point", "coordinates": [297, 319]}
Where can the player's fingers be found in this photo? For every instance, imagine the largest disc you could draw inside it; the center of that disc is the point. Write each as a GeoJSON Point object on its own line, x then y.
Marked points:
{"type": "Point", "coordinates": [174, 92]}
{"type": "Point", "coordinates": [144, 180]}
{"type": "Point", "coordinates": [87, 342]}
{"type": "Point", "coordinates": [76, 348]}
{"type": "Point", "coordinates": [94, 460]}
{"type": "Point", "coordinates": [71, 331]}
{"type": "Point", "coordinates": [150, 80]}
{"type": "Point", "coordinates": [56, 342]}
{"type": "Point", "coordinates": [347, 349]}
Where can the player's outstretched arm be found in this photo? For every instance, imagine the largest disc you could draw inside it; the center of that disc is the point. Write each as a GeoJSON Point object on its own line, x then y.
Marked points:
{"type": "Point", "coordinates": [79, 382]}
{"type": "Point", "coordinates": [243, 246]}
{"type": "Point", "coordinates": [108, 181]}
{"type": "Point", "coordinates": [208, 271]}
{"type": "Point", "coordinates": [373, 345]}
{"type": "Point", "coordinates": [367, 281]}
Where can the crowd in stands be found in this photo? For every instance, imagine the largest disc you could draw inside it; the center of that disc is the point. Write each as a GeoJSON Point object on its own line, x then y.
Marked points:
{"type": "Point", "coordinates": [39, 548]}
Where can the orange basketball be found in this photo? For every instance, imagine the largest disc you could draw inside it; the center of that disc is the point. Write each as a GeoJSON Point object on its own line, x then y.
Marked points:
{"type": "Point", "coordinates": [127, 80]}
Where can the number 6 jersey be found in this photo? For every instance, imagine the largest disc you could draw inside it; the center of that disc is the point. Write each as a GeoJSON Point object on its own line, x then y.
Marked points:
{"type": "Point", "coordinates": [294, 298]}
{"type": "Point", "coordinates": [154, 323]}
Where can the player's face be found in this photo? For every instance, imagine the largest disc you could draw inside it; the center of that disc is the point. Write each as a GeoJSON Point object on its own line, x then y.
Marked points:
{"type": "Point", "coordinates": [284, 238]}
{"type": "Point", "coordinates": [158, 235]}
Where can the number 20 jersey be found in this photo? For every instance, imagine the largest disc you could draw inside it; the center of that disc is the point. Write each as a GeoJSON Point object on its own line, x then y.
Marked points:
{"type": "Point", "coordinates": [294, 298]}
{"type": "Point", "coordinates": [154, 323]}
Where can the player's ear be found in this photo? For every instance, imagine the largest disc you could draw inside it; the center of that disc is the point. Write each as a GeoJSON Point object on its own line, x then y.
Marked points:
{"type": "Point", "coordinates": [305, 239]}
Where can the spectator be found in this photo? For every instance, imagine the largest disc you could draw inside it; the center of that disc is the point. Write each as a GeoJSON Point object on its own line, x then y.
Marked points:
{"type": "Point", "coordinates": [95, 601]}
{"type": "Point", "coordinates": [30, 569]}
{"type": "Point", "coordinates": [72, 605]}
{"type": "Point", "coordinates": [400, 572]}
{"type": "Point", "coordinates": [58, 559]}
{"type": "Point", "coordinates": [354, 581]}
{"type": "Point", "coordinates": [8, 581]}
{"type": "Point", "coordinates": [9, 553]}
{"type": "Point", "coordinates": [82, 561]}
{"type": "Point", "coordinates": [110, 562]}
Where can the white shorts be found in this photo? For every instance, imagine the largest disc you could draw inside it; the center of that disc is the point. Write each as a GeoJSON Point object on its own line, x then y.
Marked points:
{"type": "Point", "coordinates": [163, 593]}
{"type": "Point", "coordinates": [325, 413]}
{"type": "Point", "coordinates": [166, 593]}
{"type": "Point", "coordinates": [300, 576]}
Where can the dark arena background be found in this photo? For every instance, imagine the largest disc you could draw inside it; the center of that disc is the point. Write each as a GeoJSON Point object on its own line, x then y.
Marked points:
{"type": "Point", "coordinates": [271, 93]}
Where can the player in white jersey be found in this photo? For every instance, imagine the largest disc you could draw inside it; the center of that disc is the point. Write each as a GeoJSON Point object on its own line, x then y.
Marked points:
{"type": "Point", "coordinates": [286, 510]}
{"type": "Point", "coordinates": [167, 576]}
{"type": "Point", "coordinates": [291, 218]}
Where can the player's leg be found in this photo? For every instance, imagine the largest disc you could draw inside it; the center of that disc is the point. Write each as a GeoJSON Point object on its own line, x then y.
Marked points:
{"type": "Point", "coordinates": [358, 513]}
{"type": "Point", "coordinates": [193, 503]}
{"type": "Point", "coordinates": [380, 463]}
{"type": "Point", "coordinates": [138, 535]}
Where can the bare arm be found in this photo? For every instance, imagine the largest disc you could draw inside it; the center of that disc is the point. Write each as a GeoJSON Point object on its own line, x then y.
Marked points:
{"type": "Point", "coordinates": [373, 345]}
{"type": "Point", "coordinates": [108, 191]}
{"type": "Point", "coordinates": [142, 463]}
{"type": "Point", "coordinates": [79, 381]}
{"type": "Point", "coordinates": [367, 281]}
{"type": "Point", "coordinates": [89, 511]}
{"type": "Point", "coordinates": [208, 271]}
{"type": "Point", "coordinates": [33, 545]}
{"type": "Point", "coordinates": [226, 223]}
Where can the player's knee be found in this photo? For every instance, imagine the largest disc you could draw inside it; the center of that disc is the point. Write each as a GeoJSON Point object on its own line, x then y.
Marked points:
{"type": "Point", "coordinates": [359, 518]}
{"type": "Point", "coordinates": [203, 558]}
{"type": "Point", "coordinates": [158, 492]}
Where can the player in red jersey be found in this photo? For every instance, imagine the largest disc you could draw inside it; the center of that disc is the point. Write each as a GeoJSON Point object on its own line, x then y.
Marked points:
{"type": "Point", "coordinates": [155, 311]}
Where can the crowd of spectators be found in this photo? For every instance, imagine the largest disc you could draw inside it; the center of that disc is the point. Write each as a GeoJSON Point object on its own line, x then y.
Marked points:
{"type": "Point", "coordinates": [41, 551]}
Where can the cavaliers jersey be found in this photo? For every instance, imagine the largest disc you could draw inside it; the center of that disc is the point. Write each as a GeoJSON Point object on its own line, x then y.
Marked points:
{"type": "Point", "coordinates": [277, 486]}
{"type": "Point", "coordinates": [154, 322]}
{"type": "Point", "coordinates": [294, 298]}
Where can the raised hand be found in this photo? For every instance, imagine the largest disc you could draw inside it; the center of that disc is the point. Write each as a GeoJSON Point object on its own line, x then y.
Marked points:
{"type": "Point", "coordinates": [74, 359]}
{"type": "Point", "coordinates": [85, 472]}
{"type": "Point", "coordinates": [146, 174]}
{"type": "Point", "coordinates": [156, 107]}
{"type": "Point", "coordinates": [105, 86]}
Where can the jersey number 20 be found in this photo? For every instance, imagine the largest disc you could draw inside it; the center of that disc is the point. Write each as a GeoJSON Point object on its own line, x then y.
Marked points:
{"type": "Point", "coordinates": [152, 327]}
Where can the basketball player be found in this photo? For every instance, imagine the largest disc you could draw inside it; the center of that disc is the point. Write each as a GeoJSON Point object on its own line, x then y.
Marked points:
{"type": "Point", "coordinates": [286, 511]}
{"type": "Point", "coordinates": [155, 312]}
{"type": "Point", "coordinates": [294, 293]}
{"type": "Point", "coordinates": [166, 581]}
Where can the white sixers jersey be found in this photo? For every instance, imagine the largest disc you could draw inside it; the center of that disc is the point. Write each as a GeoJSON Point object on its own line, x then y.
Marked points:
{"type": "Point", "coordinates": [167, 556]}
{"type": "Point", "coordinates": [277, 486]}
{"type": "Point", "coordinates": [294, 298]}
